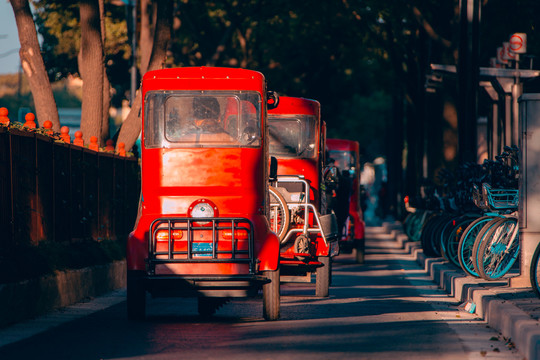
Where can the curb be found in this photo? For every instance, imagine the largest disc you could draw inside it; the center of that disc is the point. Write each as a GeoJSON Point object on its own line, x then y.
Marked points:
{"type": "Point", "coordinates": [491, 301]}
{"type": "Point", "coordinates": [30, 298]}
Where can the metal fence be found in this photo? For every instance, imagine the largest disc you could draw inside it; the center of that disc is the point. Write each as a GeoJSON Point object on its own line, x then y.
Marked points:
{"type": "Point", "coordinates": [61, 192]}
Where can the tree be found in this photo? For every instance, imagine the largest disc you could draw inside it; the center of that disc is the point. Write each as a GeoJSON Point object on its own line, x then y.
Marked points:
{"type": "Point", "coordinates": [131, 128]}
{"type": "Point", "coordinates": [91, 67]}
{"type": "Point", "coordinates": [33, 66]}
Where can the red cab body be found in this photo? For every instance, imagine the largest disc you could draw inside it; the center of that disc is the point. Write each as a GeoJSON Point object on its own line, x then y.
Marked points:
{"type": "Point", "coordinates": [297, 140]}
{"type": "Point", "coordinates": [346, 157]}
{"type": "Point", "coordinates": [202, 229]}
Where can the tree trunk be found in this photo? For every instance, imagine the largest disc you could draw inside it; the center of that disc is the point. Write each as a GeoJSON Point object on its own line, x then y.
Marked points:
{"type": "Point", "coordinates": [91, 56]}
{"type": "Point", "coordinates": [131, 127]}
{"type": "Point", "coordinates": [148, 22]}
{"type": "Point", "coordinates": [106, 83]}
{"type": "Point", "coordinates": [33, 66]}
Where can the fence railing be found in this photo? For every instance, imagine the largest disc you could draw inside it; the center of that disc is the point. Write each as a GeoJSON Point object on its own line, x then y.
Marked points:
{"type": "Point", "coordinates": [51, 190]}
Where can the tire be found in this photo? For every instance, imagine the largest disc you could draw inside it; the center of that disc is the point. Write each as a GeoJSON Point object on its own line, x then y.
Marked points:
{"type": "Point", "coordinates": [360, 251]}
{"type": "Point", "coordinates": [535, 271]}
{"type": "Point", "coordinates": [279, 216]}
{"type": "Point", "coordinates": [452, 242]}
{"type": "Point", "coordinates": [136, 295]}
{"type": "Point", "coordinates": [466, 244]}
{"type": "Point", "coordinates": [271, 296]}
{"type": "Point", "coordinates": [322, 278]}
{"type": "Point", "coordinates": [480, 238]}
{"type": "Point", "coordinates": [444, 235]}
{"type": "Point", "coordinates": [427, 234]}
{"type": "Point", "coordinates": [499, 251]}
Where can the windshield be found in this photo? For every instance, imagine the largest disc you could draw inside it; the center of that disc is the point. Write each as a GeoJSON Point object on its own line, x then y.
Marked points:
{"type": "Point", "coordinates": [202, 119]}
{"type": "Point", "coordinates": [343, 160]}
{"type": "Point", "coordinates": [292, 136]}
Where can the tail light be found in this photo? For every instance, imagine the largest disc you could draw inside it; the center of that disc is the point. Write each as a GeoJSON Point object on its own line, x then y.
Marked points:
{"type": "Point", "coordinates": [163, 235]}
{"type": "Point", "coordinates": [239, 234]}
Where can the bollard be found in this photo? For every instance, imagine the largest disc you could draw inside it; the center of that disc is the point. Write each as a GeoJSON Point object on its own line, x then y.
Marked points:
{"type": "Point", "coordinates": [109, 145]}
{"type": "Point", "coordinates": [78, 140]}
{"type": "Point", "coordinates": [64, 134]}
{"type": "Point", "coordinates": [47, 125]}
{"type": "Point", "coordinates": [121, 149]}
{"type": "Point", "coordinates": [93, 143]}
{"type": "Point", "coordinates": [4, 120]}
{"type": "Point", "coordinates": [30, 121]}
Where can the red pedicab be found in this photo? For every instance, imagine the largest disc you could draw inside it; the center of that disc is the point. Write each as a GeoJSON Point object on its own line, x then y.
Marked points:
{"type": "Point", "coordinates": [346, 157]}
{"type": "Point", "coordinates": [307, 231]}
{"type": "Point", "coordinates": [202, 229]}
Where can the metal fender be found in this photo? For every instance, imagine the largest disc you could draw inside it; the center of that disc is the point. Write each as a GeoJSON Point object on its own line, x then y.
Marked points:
{"type": "Point", "coordinates": [136, 251]}
{"type": "Point", "coordinates": [269, 253]}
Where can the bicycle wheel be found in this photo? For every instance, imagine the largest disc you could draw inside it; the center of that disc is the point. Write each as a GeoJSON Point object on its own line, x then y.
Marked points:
{"type": "Point", "coordinates": [427, 233]}
{"type": "Point", "coordinates": [535, 271]}
{"type": "Point", "coordinates": [499, 250]}
{"type": "Point", "coordinates": [416, 225]}
{"type": "Point", "coordinates": [444, 235]}
{"type": "Point", "coordinates": [279, 214]}
{"type": "Point", "coordinates": [454, 238]}
{"type": "Point", "coordinates": [466, 244]}
{"type": "Point", "coordinates": [480, 239]}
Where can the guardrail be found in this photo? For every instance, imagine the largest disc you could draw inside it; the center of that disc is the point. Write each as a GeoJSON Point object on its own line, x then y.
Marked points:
{"type": "Point", "coordinates": [55, 190]}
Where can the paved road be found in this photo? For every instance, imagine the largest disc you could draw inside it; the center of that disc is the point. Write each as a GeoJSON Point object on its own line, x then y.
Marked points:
{"type": "Point", "coordinates": [385, 309]}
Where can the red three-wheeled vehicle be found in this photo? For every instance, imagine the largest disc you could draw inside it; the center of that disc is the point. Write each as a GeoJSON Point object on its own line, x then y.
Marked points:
{"type": "Point", "coordinates": [202, 229]}
{"type": "Point", "coordinates": [299, 214]}
{"type": "Point", "coordinates": [345, 155]}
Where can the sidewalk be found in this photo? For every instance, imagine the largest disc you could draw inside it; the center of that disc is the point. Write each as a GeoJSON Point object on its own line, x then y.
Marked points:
{"type": "Point", "coordinates": [514, 312]}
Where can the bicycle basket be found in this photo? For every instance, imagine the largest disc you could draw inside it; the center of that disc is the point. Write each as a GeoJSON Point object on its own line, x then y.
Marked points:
{"type": "Point", "coordinates": [501, 198]}
{"type": "Point", "coordinates": [478, 198]}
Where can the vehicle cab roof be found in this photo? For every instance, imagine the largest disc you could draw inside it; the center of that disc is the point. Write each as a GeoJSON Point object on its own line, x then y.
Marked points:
{"type": "Point", "coordinates": [204, 78]}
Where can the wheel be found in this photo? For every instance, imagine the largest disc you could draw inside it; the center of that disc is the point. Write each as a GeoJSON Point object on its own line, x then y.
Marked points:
{"type": "Point", "coordinates": [427, 234]}
{"type": "Point", "coordinates": [535, 271]}
{"type": "Point", "coordinates": [444, 235]}
{"type": "Point", "coordinates": [417, 223]}
{"type": "Point", "coordinates": [466, 244]}
{"type": "Point", "coordinates": [499, 250]}
{"type": "Point", "coordinates": [453, 239]}
{"type": "Point", "coordinates": [136, 295]}
{"type": "Point", "coordinates": [480, 238]}
{"type": "Point", "coordinates": [322, 278]}
{"type": "Point", "coordinates": [360, 250]}
{"type": "Point", "coordinates": [279, 214]}
{"type": "Point", "coordinates": [271, 296]}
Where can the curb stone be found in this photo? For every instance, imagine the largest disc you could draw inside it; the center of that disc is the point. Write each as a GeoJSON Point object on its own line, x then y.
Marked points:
{"type": "Point", "coordinates": [30, 298]}
{"type": "Point", "coordinates": [494, 302]}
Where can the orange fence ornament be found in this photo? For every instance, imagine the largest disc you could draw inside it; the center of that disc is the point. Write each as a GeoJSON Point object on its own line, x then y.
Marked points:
{"type": "Point", "coordinates": [64, 134]}
{"type": "Point", "coordinates": [121, 149]}
{"type": "Point", "coordinates": [47, 125]}
{"type": "Point", "coordinates": [30, 121]}
{"type": "Point", "coordinates": [93, 143]}
{"type": "Point", "coordinates": [109, 145]}
{"type": "Point", "coordinates": [4, 120]}
{"type": "Point", "coordinates": [78, 139]}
